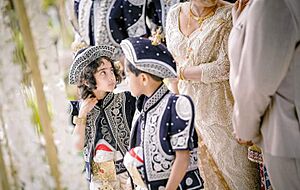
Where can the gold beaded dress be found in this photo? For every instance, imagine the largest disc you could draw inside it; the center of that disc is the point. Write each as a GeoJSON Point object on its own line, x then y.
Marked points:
{"type": "Point", "coordinates": [223, 162]}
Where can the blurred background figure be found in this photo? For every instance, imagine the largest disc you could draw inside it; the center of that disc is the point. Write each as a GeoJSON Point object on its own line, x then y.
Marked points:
{"type": "Point", "coordinates": [110, 21]}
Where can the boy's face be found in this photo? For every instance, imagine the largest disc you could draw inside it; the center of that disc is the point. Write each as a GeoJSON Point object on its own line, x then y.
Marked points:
{"type": "Point", "coordinates": [135, 83]}
{"type": "Point", "coordinates": [105, 77]}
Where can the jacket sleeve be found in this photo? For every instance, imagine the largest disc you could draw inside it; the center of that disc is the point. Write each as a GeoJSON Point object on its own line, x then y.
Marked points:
{"type": "Point", "coordinates": [130, 108]}
{"type": "Point", "coordinates": [267, 52]}
{"type": "Point", "coordinates": [73, 110]}
{"type": "Point", "coordinates": [218, 70]}
{"type": "Point", "coordinates": [181, 127]}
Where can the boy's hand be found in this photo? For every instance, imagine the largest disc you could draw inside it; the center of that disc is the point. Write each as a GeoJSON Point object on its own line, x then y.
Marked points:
{"type": "Point", "coordinates": [87, 105]}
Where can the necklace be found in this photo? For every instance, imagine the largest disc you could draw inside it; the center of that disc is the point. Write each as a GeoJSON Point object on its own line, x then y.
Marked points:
{"type": "Point", "coordinates": [200, 19]}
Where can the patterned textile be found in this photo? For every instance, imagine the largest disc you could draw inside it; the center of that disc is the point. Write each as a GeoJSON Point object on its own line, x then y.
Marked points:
{"type": "Point", "coordinates": [165, 122]}
{"type": "Point", "coordinates": [153, 59]}
{"type": "Point", "coordinates": [108, 22]}
{"type": "Point", "coordinates": [265, 183]}
{"type": "Point", "coordinates": [109, 120]}
{"type": "Point", "coordinates": [255, 155]}
{"type": "Point", "coordinates": [121, 183]}
{"type": "Point", "coordinates": [224, 163]}
{"type": "Point", "coordinates": [86, 57]}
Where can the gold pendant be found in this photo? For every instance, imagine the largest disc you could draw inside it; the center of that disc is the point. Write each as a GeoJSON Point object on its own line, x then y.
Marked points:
{"type": "Point", "coordinates": [200, 20]}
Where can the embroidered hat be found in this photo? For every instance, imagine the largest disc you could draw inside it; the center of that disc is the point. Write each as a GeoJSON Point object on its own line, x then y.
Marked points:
{"type": "Point", "coordinates": [153, 59]}
{"type": "Point", "coordinates": [85, 57]}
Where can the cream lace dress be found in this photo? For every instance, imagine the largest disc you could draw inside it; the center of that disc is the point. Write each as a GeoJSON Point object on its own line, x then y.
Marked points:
{"type": "Point", "coordinates": [223, 162]}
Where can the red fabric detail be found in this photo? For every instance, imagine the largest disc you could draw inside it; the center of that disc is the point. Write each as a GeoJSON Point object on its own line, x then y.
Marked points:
{"type": "Point", "coordinates": [133, 154]}
{"type": "Point", "coordinates": [103, 147]}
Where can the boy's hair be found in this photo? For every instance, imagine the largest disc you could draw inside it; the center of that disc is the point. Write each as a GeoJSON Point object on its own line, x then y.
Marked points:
{"type": "Point", "coordinates": [87, 81]}
{"type": "Point", "coordinates": [137, 72]}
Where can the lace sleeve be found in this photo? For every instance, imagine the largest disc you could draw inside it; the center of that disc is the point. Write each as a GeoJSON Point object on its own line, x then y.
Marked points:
{"type": "Point", "coordinates": [218, 71]}
{"type": "Point", "coordinates": [170, 23]}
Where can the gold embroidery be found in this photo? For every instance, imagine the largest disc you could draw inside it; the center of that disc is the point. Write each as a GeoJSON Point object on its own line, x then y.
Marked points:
{"type": "Point", "coordinates": [104, 171]}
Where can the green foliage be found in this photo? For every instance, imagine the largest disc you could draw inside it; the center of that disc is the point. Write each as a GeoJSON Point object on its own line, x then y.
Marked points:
{"type": "Point", "coordinates": [19, 55]}
{"type": "Point", "coordinates": [32, 103]}
{"type": "Point", "coordinates": [35, 118]}
{"type": "Point", "coordinates": [48, 3]}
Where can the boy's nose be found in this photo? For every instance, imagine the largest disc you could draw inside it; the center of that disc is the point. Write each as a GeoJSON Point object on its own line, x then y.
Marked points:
{"type": "Point", "coordinates": [112, 76]}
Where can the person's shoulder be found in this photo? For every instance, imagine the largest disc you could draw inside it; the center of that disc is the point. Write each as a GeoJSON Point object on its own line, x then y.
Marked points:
{"type": "Point", "coordinates": [125, 95]}
{"type": "Point", "coordinates": [180, 100]}
{"type": "Point", "coordinates": [224, 11]}
{"type": "Point", "coordinates": [182, 106]}
{"type": "Point", "coordinates": [174, 9]}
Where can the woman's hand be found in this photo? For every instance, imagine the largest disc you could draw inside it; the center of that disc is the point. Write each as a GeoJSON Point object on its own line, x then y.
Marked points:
{"type": "Point", "coordinates": [87, 105]}
{"type": "Point", "coordinates": [237, 9]}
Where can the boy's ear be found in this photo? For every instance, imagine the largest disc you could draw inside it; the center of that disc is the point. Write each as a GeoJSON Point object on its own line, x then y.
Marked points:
{"type": "Point", "coordinates": [145, 78]}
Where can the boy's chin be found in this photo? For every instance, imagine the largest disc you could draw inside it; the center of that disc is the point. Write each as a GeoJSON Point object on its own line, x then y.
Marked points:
{"type": "Point", "coordinates": [110, 90]}
{"type": "Point", "coordinates": [134, 94]}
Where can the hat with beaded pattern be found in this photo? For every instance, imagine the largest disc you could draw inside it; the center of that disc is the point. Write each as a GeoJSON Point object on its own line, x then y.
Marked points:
{"type": "Point", "coordinates": [153, 59]}
{"type": "Point", "coordinates": [87, 56]}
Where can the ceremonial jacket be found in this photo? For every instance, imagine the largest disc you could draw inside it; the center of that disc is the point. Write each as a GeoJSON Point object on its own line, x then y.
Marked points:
{"type": "Point", "coordinates": [110, 120]}
{"type": "Point", "coordinates": [162, 125]}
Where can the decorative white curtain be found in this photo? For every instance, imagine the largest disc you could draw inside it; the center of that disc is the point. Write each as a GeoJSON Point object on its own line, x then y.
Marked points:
{"type": "Point", "coordinates": [23, 149]}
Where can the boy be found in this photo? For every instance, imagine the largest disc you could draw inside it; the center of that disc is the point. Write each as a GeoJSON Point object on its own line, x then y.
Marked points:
{"type": "Point", "coordinates": [102, 119]}
{"type": "Point", "coordinates": [163, 126]}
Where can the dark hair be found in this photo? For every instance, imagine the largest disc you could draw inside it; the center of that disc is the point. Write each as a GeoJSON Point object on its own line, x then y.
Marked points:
{"type": "Point", "coordinates": [87, 81]}
{"type": "Point", "coordinates": [137, 72]}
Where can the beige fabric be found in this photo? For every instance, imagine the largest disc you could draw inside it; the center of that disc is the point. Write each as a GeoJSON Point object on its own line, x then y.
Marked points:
{"type": "Point", "coordinates": [265, 75]}
{"type": "Point", "coordinates": [284, 172]}
{"type": "Point", "coordinates": [265, 58]}
{"type": "Point", "coordinates": [213, 99]}
{"type": "Point", "coordinates": [121, 183]}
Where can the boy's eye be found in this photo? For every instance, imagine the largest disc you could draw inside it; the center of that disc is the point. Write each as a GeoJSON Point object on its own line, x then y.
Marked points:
{"type": "Point", "coordinates": [104, 72]}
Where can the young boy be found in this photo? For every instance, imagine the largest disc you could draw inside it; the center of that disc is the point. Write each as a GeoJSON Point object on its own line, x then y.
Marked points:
{"type": "Point", "coordinates": [102, 119]}
{"type": "Point", "coordinates": [163, 126]}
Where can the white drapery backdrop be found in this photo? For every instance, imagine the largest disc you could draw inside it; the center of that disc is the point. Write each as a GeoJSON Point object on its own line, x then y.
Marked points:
{"type": "Point", "coordinates": [25, 163]}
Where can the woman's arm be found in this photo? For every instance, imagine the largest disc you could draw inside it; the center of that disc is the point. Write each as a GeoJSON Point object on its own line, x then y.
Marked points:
{"type": "Point", "coordinates": [216, 71]}
{"type": "Point", "coordinates": [181, 163]}
{"type": "Point", "coordinates": [172, 84]}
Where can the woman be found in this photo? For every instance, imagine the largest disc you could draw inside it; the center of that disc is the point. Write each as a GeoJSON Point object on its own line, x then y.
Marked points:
{"type": "Point", "coordinates": [197, 33]}
{"type": "Point", "coordinates": [104, 118]}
